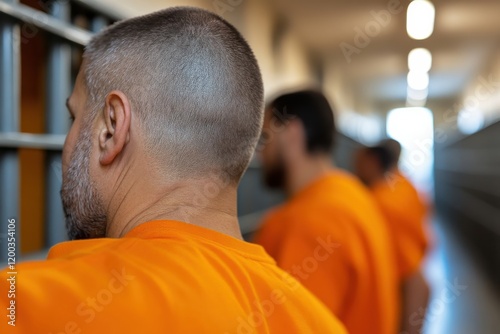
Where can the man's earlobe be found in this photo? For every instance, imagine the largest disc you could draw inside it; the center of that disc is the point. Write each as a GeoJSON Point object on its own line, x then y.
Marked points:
{"type": "Point", "coordinates": [115, 132]}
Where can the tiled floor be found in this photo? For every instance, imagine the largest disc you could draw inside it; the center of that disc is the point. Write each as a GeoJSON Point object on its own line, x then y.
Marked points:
{"type": "Point", "coordinates": [463, 300]}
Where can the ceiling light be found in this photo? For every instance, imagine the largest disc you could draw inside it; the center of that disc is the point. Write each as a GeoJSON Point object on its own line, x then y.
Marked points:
{"type": "Point", "coordinates": [418, 95]}
{"type": "Point", "coordinates": [420, 60]}
{"type": "Point", "coordinates": [417, 98]}
{"type": "Point", "coordinates": [420, 19]}
{"type": "Point", "coordinates": [411, 127]}
{"type": "Point", "coordinates": [469, 122]}
{"type": "Point", "coordinates": [418, 80]}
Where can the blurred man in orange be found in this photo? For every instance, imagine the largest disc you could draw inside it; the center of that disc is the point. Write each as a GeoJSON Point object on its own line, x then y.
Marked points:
{"type": "Point", "coordinates": [394, 148]}
{"type": "Point", "coordinates": [167, 112]}
{"type": "Point", "coordinates": [329, 234]}
{"type": "Point", "coordinates": [405, 214]}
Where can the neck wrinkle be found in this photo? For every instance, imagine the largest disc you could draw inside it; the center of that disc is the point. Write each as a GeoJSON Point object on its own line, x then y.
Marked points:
{"type": "Point", "coordinates": [143, 203]}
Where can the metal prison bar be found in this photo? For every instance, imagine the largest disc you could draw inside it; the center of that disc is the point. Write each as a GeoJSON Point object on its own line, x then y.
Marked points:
{"type": "Point", "coordinates": [17, 23]}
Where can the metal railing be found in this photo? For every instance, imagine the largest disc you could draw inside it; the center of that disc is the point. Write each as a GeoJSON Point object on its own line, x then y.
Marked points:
{"type": "Point", "coordinates": [18, 24]}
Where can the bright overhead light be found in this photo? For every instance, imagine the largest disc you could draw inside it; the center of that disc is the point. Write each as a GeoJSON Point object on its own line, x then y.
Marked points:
{"type": "Point", "coordinates": [420, 19]}
{"type": "Point", "coordinates": [415, 103]}
{"type": "Point", "coordinates": [417, 98]}
{"type": "Point", "coordinates": [418, 94]}
{"type": "Point", "coordinates": [418, 80]}
{"type": "Point", "coordinates": [411, 126]}
{"type": "Point", "coordinates": [469, 121]}
{"type": "Point", "coordinates": [420, 60]}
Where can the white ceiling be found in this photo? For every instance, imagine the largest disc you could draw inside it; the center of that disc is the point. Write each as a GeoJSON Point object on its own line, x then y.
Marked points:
{"type": "Point", "coordinates": [466, 33]}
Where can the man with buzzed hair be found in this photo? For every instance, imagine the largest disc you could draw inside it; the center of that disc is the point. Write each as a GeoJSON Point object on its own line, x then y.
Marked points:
{"type": "Point", "coordinates": [329, 233]}
{"type": "Point", "coordinates": [167, 110]}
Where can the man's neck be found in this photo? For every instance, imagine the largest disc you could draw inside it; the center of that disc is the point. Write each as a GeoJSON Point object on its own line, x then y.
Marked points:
{"type": "Point", "coordinates": [307, 170]}
{"type": "Point", "coordinates": [190, 202]}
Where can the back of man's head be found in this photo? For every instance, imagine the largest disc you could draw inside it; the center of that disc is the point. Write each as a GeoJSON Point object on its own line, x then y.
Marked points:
{"type": "Point", "coordinates": [313, 110]}
{"type": "Point", "coordinates": [382, 156]}
{"type": "Point", "coordinates": [194, 86]}
{"type": "Point", "coordinates": [394, 149]}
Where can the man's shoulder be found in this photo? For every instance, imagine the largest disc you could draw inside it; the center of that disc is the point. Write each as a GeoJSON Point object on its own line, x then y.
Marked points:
{"type": "Point", "coordinates": [78, 259]}
{"type": "Point", "coordinates": [350, 200]}
{"type": "Point", "coordinates": [333, 208]}
{"type": "Point", "coordinates": [81, 248]}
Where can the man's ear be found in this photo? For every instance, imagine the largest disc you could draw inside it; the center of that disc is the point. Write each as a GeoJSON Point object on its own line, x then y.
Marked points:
{"type": "Point", "coordinates": [115, 132]}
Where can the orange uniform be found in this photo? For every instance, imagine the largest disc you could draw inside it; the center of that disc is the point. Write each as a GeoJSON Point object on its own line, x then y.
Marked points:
{"type": "Point", "coordinates": [162, 277]}
{"type": "Point", "coordinates": [333, 239]}
{"type": "Point", "coordinates": [405, 213]}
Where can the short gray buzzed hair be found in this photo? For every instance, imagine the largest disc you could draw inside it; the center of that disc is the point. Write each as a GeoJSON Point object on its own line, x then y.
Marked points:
{"type": "Point", "coordinates": [194, 85]}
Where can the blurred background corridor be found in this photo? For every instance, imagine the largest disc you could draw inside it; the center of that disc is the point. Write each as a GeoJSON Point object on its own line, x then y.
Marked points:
{"type": "Point", "coordinates": [427, 75]}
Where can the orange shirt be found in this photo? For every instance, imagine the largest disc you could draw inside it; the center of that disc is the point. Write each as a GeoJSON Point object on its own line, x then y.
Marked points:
{"type": "Point", "coordinates": [405, 214]}
{"type": "Point", "coordinates": [162, 277]}
{"type": "Point", "coordinates": [333, 239]}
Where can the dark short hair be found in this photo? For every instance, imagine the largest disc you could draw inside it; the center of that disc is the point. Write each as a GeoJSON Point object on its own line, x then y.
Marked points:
{"type": "Point", "coordinates": [314, 111]}
{"type": "Point", "coordinates": [194, 85]}
{"type": "Point", "coordinates": [383, 156]}
{"type": "Point", "coordinates": [394, 149]}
